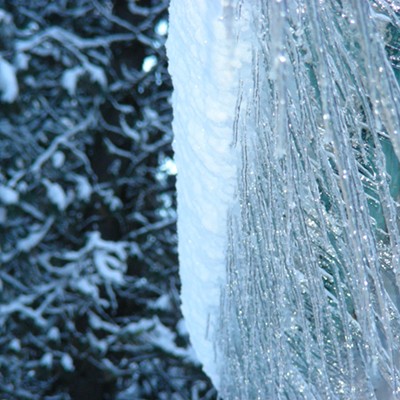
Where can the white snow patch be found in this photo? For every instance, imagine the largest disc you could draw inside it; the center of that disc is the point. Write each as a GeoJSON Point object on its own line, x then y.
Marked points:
{"type": "Point", "coordinates": [109, 267]}
{"type": "Point", "coordinates": [8, 195]}
{"type": "Point", "coordinates": [34, 237]}
{"type": "Point", "coordinates": [58, 159]}
{"type": "Point", "coordinates": [97, 74]}
{"type": "Point", "coordinates": [15, 345]}
{"type": "Point", "coordinates": [8, 81]}
{"type": "Point", "coordinates": [84, 286]}
{"type": "Point", "coordinates": [54, 333]}
{"type": "Point", "coordinates": [206, 64]}
{"type": "Point", "coordinates": [56, 194]}
{"type": "Point", "coordinates": [47, 360]}
{"type": "Point", "coordinates": [83, 188]}
{"type": "Point", "coordinates": [162, 27]}
{"type": "Point", "coordinates": [149, 63]}
{"type": "Point", "coordinates": [163, 303]}
{"type": "Point", "coordinates": [70, 77]}
{"type": "Point", "coordinates": [67, 362]}
{"type": "Point", "coordinates": [22, 61]}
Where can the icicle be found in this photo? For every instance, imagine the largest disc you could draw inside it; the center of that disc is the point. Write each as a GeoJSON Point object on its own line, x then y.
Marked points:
{"type": "Point", "coordinates": [311, 306]}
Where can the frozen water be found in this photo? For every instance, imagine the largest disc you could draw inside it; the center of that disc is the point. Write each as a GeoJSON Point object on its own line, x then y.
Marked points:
{"type": "Point", "coordinates": [311, 305]}
{"type": "Point", "coordinates": [288, 194]}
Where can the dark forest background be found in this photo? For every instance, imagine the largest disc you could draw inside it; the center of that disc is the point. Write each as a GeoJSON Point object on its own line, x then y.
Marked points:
{"type": "Point", "coordinates": [89, 287]}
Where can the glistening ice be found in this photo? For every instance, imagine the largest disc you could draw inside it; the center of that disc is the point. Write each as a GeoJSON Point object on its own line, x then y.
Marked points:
{"type": "Point", "coordinates": [286, 121]}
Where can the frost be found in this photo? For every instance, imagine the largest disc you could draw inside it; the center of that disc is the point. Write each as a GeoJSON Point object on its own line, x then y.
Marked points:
{"type": "Point", "coordinates": [5, 17]}
{"type": "Point", "coordinates": [97, 74]}
{"type": "Point", "coordinates": [8, 82]}
{"type": "Point", "coordinates": [169, 166]}
{"type": "Point", "coordinates": [154, 332]}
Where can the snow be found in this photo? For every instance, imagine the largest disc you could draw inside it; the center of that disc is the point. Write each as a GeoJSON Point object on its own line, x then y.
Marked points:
{"type": "Point", "coordinates": [54, 334]}
{"type": "Point", "coordinates": [206, 59]}
{"type": "Point", "coordinates": [22, 61]}
{"type": "Point", "coordinates": [8, 196]}
{"type": "Point", "coordinates": [47, 360]}
{"type": "Point", "coordinates": [67, 362]}
{"type": "Point", "coordinates": [15, 345]}
{"type": "Point", "coordinates": [8, 81]}
{"type": "Point", "coordinates": [109, 267]}
{"type": "Point", "coordinates": [163, 303]}
{"type": "Point", "coordinates": [58, 159]}
{"type": "Point", "coordinates": [34, 237]}
{"type": "Point", "coordinates": [84, 189]}
{"type": "Point", "coordinates": [162, 27]}
{"type": "Point", "coordinates": [84, 286]}
{"type": "Point", "coordinates": [70, 77]}
{"type": "Point", "coordinates": [56, 194]}
{"type": "Point", "coordinates": [149, 63]}
{"type": "Point", "coordinates": [154, 332]}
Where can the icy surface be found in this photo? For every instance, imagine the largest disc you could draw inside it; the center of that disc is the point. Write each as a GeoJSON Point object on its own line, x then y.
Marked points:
{"type": "Point", "coordinates": [288, 194]}
{"type": "Point", "coordinates": [311, 307]}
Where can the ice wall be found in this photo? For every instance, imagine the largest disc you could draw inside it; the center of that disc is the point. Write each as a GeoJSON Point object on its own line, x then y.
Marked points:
{"type": "Point", "coordinates": [286, 120]}
{"type": "Point", "coordinates": [311, 308]}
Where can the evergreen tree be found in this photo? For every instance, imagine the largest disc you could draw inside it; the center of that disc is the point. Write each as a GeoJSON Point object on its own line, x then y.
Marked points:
{"type": "Point", "coordinates": [89, 303]}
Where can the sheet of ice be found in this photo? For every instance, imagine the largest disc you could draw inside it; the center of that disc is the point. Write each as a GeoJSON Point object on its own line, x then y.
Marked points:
{"type": "Point", "coordinates": [207, 55]}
